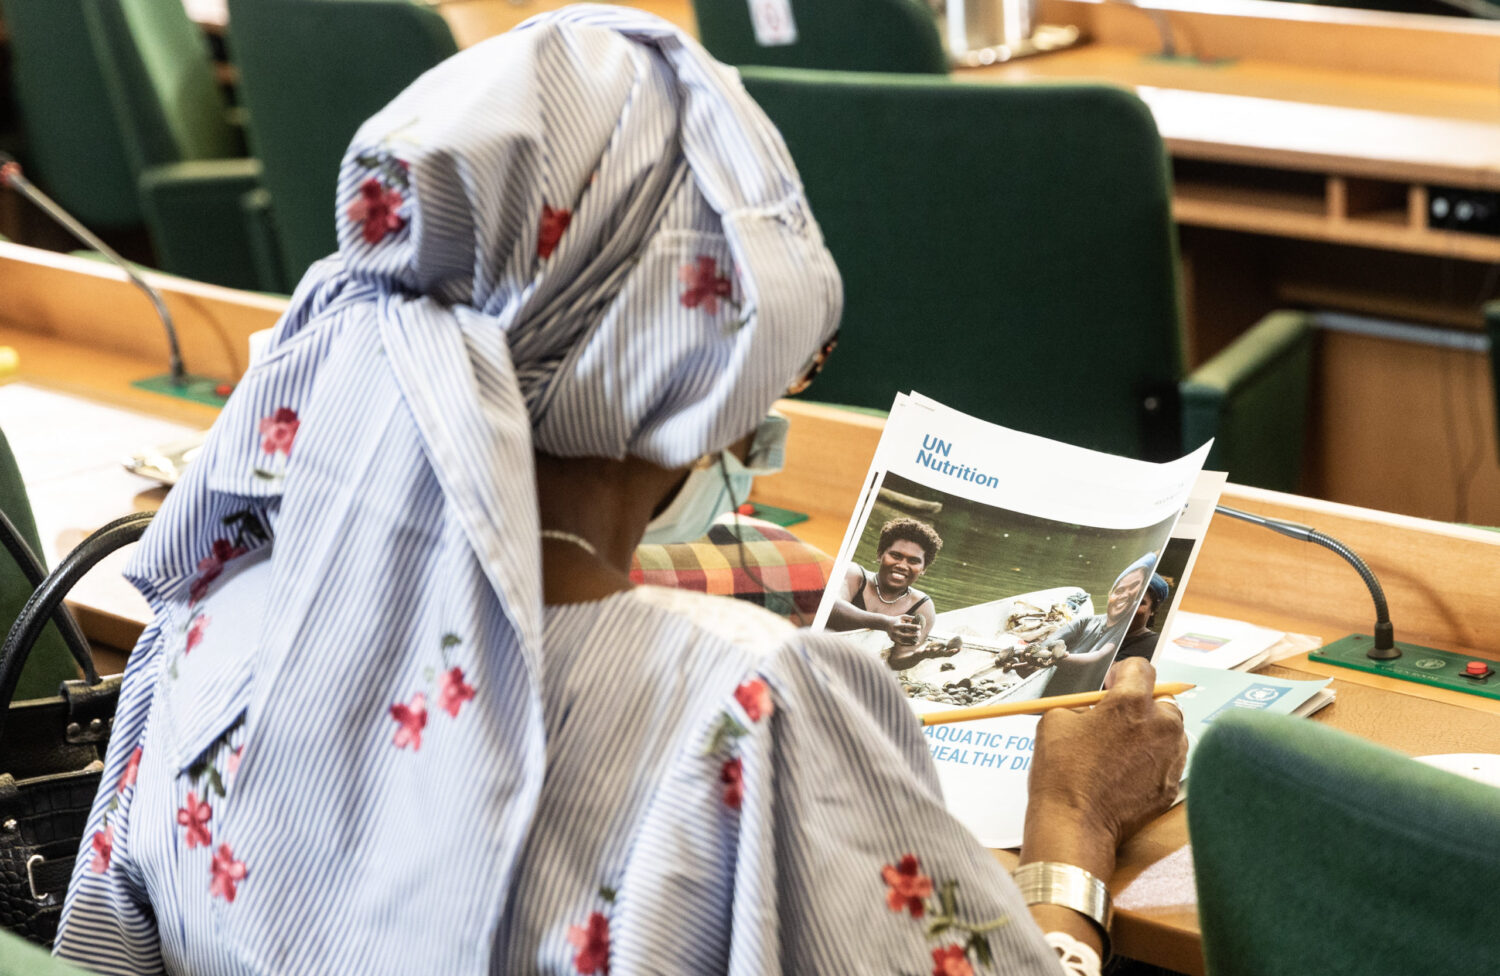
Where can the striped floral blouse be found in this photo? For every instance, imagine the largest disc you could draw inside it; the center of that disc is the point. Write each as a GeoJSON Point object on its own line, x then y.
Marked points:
{"type": "Point", "coordinates": [722, 795]}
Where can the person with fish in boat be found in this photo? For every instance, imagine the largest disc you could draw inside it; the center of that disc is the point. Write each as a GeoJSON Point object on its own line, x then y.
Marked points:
{"type": "Point", "coordinates": [886, 600]}
{"type": "Point", "coordinates": [1092, 642]}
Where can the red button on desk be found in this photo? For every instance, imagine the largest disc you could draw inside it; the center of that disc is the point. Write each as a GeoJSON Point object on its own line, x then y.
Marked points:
{"type": "Point", "coordinates": [1478, 668]}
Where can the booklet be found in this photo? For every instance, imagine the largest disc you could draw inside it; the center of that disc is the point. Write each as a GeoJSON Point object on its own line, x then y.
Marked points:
{"type": "Point", "coordinates": [986, 565]}
{"type": "Point", "coordinates": [1177, 560]}
{"type": "Point", "coordinates": [1215, 642]}
{"type": "Point", "coordinates": [1218, 691]}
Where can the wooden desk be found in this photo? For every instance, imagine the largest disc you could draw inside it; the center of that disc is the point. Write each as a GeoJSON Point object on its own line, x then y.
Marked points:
{"type": "Point", "coordinates": [474, 20]}
{"type": "Point", "coordinates": [1439, 578]}
{"type": "Point", "coordinates": [79, 328]}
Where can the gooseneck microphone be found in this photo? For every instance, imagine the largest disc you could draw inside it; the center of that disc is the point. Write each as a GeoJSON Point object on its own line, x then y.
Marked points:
{"type": "Point", "coordinates": [11, 175]}
{"type": "Point", "coordinates": [1385, 636]}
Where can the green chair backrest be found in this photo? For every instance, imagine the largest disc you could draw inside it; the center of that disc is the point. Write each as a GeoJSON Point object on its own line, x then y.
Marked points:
{"type": "Point", "coordinates": [1317, 852]}
{"type": "Point", "coordinates": [311, 71]}
{"type": "Point", "coordinates": [167, 102]}
{"type": "Point", "coordinates": [834, 35]}
{"type": "Point", "coordinates": [50, 664]}
{"type": "Point", "coordinates": [1006, 249]}
{"type": "Point", "coordinates": [70, 143]}
{"type": "Point", "coordinates": [21, 958]}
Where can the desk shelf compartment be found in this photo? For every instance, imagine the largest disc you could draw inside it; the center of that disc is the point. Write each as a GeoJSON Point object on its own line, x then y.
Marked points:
{"type": "Point", "coordinates": [1360, 211]}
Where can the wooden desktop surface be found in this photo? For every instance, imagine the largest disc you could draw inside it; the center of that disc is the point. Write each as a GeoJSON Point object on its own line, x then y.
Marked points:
{"type": "Point", "coordinates": [78, 329]}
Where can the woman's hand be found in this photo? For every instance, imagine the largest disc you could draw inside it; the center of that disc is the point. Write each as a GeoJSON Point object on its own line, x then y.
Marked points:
{"type": "Point", "coordinates": [905, 629]}
{"type": "Point", "coordinates": [1099, 775]}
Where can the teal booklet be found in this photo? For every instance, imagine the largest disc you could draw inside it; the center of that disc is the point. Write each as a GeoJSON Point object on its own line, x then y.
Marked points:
{"type": "Point", "coordinates": [1219, 691]}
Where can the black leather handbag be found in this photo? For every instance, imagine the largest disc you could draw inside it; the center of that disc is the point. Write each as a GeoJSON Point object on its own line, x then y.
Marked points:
{"type": "Point", "coordinates": [51, 749]}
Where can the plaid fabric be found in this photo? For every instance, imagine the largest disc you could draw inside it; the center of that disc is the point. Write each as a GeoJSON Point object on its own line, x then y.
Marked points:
{"type": "Point", "coordinates": [744, 558]}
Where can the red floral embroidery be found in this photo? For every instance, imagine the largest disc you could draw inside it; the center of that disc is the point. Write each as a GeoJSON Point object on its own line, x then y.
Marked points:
{"type": "Point", "coordinates": [227, 872]}
{"type": "Point", "coordinates": [104, 848]}
{"type": "Point", "coordinates": [195, 817]}
{"type": "Point", "coordinates": [210, 566]}
{"type": "Point", "coordinates": [376, 208]}
{"type": "Point", "coordinates": [705, 286]}
{"type": "Point", "coordinates": [412, 719]}
{"type": "Point", "coordinates": [592, 942]}
{"type": "Point", "coordinates": [755, 698]}
{"type": "Point", "coordinates": [732, 775]}
{"type": "Point", "coordinates": [278, 431]}
{"type": "Point", "coordinates": [554, 222]}
{"type": "Point", "coordinates": [132, 770]}
{"type": "Point", "coordinates": [195, 632]}
{"type": "Point", "coordinates": [951, 961]}
{"type": "Point", "coordinates": [909, 886]}
{"type": "Point", "coordinates": [234, 760]}
{"type": "Point", "coordinates": [454, 692]}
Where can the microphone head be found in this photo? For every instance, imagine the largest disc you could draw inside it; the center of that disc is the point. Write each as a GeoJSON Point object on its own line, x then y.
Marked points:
{"type": "Point", "coordinates": [9, 168]}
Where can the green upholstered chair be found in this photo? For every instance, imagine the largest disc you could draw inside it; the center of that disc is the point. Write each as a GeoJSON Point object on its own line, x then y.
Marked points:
{"type": "Point", "coordinates": [70, 145]}
{"type": "Point", "coordinates": [311, 71]}
{"type": "Point", "coordinates": [20, 958]}
{"type": "Point", "coordinates": [1009, 250]}
{"type": "Point", "coordinates": [1317, 852]}
{"type": "Point", "coordinates": [833, 35]}
{"type": "Point", "coordinates": [188, 159]}
{"type": "Point", "coordinates": [50, 664]}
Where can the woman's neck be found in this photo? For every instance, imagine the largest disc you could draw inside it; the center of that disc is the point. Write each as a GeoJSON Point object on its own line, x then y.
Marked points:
{"type": "Point", "coordinates": [603, 504]}
{"type": "Point", "coordinates": [895, 597]}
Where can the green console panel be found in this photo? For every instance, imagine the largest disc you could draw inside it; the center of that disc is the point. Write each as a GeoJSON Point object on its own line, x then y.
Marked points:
{"type": "Point", "coordinates": [199, 389]}
{"type": "Point", "coordinates": [1424, 665]}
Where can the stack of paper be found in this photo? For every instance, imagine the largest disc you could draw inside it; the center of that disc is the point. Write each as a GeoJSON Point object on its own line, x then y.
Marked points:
{"type": "Point", "coordinates": [1215, 642]}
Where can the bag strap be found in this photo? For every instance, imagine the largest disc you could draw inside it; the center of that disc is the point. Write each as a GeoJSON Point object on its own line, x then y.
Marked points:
{"type": "Point", "coordinates": [49, 595]}
{"type": "Point", "coordinates": [32, 568]}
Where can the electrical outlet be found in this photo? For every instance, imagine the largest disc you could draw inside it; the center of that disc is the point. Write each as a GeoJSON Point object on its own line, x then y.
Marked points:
{"type": "Point", "coordinates": [1469, 211]}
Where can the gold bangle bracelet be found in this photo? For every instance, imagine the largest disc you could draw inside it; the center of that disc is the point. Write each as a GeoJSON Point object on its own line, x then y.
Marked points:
{"type": "Point", "coordinates": [1055, 883]}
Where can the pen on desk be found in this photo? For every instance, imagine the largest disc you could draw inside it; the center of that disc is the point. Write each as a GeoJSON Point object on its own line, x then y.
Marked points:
{"type": "Point", "coordinates": [1038, 705]}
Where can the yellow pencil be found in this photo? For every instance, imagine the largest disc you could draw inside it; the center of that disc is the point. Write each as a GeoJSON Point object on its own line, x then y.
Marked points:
{"type": "Point", "coordinates": [1038, 705]}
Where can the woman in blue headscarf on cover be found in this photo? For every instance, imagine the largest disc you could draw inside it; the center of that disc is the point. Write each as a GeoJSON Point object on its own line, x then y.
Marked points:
{"type": "Point", "coordinates": [400, 710]}
{"type": "Point", "coordinates": [1094, 641]}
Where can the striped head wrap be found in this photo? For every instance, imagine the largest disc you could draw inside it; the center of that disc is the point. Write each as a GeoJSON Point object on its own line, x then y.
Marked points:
{"type": "Point", "coordinates": [581, 237]}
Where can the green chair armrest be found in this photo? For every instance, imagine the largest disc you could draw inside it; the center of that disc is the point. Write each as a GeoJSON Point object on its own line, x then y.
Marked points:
{"type": "Point", "coordinates": [1318, 852]}
{"type": "Point", "coordinates": [265, 245]}
{"type": "Point", "coordinates": [197, 220]}
{"type": "Point", "coordinates": [1251, 399]}
{"type": "Point", "coordinates": [20, 958]}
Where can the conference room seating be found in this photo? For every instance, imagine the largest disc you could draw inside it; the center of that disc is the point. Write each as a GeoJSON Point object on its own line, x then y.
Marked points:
{"type": "Point", "coordinates": [49, 664]}
{"type": "Point", "coordinates": [20, 958]}
{"type": "Point", "coordinates": [196, 185]}
{"type": "Point", "coordinates": [833, 35]}
{"type": "Point", "coordinates": [69, 143]}
{"type": "Point", "coordinates": [311, 71]}
{"type": "Point", "coordinates": [1319, 852]}
{"type": "Point", "coordinates": [1009, 250]}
